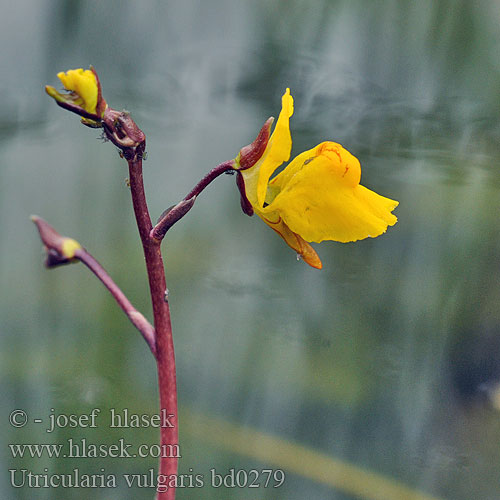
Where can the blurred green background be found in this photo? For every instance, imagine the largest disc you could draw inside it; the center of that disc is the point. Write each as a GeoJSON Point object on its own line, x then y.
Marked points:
{"type": "Point", "coordinates": [388, 359]}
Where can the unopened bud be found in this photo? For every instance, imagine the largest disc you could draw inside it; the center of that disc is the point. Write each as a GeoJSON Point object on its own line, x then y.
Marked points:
{"type": "Point", "coordinates": [60, 249]}
{"type": "Point", "coordinates": [170, 216]}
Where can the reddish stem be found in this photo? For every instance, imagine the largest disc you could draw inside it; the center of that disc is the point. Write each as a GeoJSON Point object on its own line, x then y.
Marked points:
{"type": "Point", "coordinates": [213, 174]}
{"type": "Point", "coordinates": [137, 319]}
{"type": "Point", "coordinates": [161, 312]}
{"type": "Point", "coordinates": [175, 213]}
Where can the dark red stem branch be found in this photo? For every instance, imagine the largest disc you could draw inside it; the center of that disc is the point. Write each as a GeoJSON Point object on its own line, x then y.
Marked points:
{"type": "Point", "coordinates": [164, 341]}
{"type": "Point", "coordinates": [213, 174]}
{"type": "Point", "coordinates": [175, 213]}
{"type": "Point", "coordinates": [137, 319]}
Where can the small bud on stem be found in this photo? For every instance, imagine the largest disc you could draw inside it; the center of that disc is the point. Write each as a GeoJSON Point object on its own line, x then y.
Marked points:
{"type": "Point", "coordinates": [170, 217]}
{"type": "Point", "coordinates": [60, 249]}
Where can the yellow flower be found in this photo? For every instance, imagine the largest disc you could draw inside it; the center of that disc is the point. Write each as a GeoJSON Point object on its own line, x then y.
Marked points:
{"type": "Point", "coordinates": [317, 196]}
{"type": "Point", "coordinates": [83, 84]}
{"type": "Point", "coordinates": [84, 97]}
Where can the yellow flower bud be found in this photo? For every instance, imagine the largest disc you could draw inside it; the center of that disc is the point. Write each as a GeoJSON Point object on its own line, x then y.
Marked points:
{"type": "Point", "coordinates": [84, 97]}
{"type": "Point", "coordinates": [68, 247]}
{"type": "Point", "coordinates": [83, 84]}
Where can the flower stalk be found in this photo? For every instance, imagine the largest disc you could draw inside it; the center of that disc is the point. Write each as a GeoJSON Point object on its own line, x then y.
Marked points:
{"type": "Point", "coordinates": [136, 318]}
{"type": "Point", "coordinates": [165, 357]}
{"type": "Point", "coordinates": [63, 250]}
{"type": "Point", "coordinates": [173, 214]}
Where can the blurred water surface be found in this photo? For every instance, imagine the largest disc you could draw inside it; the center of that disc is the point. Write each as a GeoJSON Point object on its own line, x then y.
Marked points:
{"type": "Point", "coordinates": [387, 359]}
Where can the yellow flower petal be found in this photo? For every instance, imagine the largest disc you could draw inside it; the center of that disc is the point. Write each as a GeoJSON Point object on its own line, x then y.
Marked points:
{"type": "Point", "coordinates": [277, 151]}
{"type": "Point", "coordinates": [84, 85]}
{"type": "Point", "coordinates": [320, 198]}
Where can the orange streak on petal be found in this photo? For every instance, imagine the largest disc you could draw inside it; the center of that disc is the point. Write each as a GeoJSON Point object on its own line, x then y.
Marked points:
{"type": "Point", "coordinates": [295, 241]}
